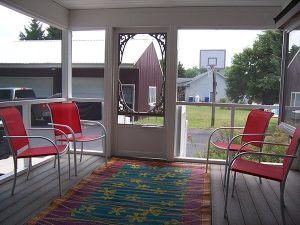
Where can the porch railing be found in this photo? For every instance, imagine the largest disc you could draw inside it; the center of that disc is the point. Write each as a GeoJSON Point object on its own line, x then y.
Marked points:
{"type": "Point", "coordinates": [232, 108]}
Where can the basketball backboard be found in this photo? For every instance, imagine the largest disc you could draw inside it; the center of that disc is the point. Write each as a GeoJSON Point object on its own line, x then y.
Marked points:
{"type": "Point", "coordinates": [212, 57]}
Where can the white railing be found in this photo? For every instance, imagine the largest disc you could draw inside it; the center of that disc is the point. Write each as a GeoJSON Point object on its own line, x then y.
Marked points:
{"type": "Point", "coordinates": [232, 107]}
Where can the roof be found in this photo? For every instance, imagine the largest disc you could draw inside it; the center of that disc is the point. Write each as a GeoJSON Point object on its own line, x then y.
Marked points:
{"type": "Point", "coordinates": [188, 81]}
{"type": "Point", "coordinates": [183, 81]}
{"type": "Point", "coordinates": [92, 4]}
{"type": "Point", "coordinates": [49, 51]}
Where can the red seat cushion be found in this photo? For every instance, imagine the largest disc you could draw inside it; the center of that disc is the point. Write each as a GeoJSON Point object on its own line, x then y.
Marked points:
{"type": "Point", "coordinates": [233, 147]}
{"type": "Point", "coordinates": [258, 169]}
{"type": "Point", "coordinates": [82, 138]}
{"type": "Point", "coordinates": [41, 151]}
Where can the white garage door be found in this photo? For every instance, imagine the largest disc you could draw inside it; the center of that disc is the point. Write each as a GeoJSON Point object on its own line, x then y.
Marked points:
{"type": "Point", "coordinates": [88, 87]}
{"type": "Point", "coordinates": [42, 86]}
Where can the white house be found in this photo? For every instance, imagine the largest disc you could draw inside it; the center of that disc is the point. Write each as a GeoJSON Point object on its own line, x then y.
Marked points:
{"type": "Point", "coordinates": [200, 87]}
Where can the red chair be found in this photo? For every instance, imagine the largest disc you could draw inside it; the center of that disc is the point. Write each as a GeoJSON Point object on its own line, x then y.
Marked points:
{"type": "Point", "coordinates": [20, 144]}
{"type": "Point", "coordinates": [65, 116]}
{"type": "Point", "coordinates": [254, 130]}
{"type": "Point", "coordinates": [268, 171]}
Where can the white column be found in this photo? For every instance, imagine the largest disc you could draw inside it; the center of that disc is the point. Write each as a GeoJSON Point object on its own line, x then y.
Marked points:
{"type": "Point", "coordinates": [108, 106]}
{"type": "Point", "coordinates": [170, 98]}
{"type": "Point", "coordinates": [66, 56]}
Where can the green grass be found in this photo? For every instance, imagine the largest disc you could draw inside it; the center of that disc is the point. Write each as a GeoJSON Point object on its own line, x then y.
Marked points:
{"type": "Point", "coordinates": [200, 116]}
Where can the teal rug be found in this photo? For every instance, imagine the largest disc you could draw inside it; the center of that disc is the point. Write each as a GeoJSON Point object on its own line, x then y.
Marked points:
{"type": "Point", "coordinates": [135, 192]}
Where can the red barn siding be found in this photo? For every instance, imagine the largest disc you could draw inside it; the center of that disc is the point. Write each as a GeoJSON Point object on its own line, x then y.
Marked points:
{"type": "Point", "coordinates": [131, 76]}
{"type": "Point", "coordinates": [292, 80]}
{"type": "Point", "coordinates": [150, 75]}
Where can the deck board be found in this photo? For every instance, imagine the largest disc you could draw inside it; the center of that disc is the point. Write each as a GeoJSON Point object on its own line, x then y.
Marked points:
{"type": "Point", "coordinates": [253, 203]}
{"type": "Point", "coordinates": [263, 198]}
{"type": "Point", "coordinates": [265, 216]}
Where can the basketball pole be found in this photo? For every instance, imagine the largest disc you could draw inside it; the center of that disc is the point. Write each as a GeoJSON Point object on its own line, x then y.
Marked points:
{"type": "Point", "coordinates": [214, 84]}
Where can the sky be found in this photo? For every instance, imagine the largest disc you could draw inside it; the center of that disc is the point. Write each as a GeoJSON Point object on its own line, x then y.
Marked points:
{"type": "Point", "coordinates": [190, 42]}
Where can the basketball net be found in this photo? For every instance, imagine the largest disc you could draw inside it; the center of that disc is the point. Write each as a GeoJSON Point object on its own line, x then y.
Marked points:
{"type": "Point", "coordinates": [212, 67]}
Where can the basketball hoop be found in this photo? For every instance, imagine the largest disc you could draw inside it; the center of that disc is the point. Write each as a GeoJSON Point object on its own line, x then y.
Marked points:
{"type": "Point", "coordinates": [211, 66]}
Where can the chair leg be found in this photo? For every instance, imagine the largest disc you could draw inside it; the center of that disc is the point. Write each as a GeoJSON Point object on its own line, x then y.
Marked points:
{"type": "Point", "coordinates": [233, 184]}
{"type": "Point", "coordinates": [226, 193]}
{"type": "Point", "coordinates": [15, 176]}
{"type": "Point", "coordinates": [75, 160]}
{"type": "Point", "coordinates": [226, 167]}
{"type": "Point", "coordinates": [81, 151]}
{"type": "Point", "coordinates": [259, 160]}
{"type": "Point", "coordinates": [29, 168]}
{"type": "Point", "coordinates": [54, 162]}
{"type": "Point", "coordinates": [69, 159]}
{"type": "Point", "coordinates": [59, 181]}
{"type": "Point", "coordinates": [105, 150]}
{"type": "Point", "coordinates": [282, 203]}
{"type": "Point", "coordinates": [207, 156]}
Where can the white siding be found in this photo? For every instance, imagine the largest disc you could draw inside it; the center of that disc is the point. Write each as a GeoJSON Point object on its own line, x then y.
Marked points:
{"type": "Point", "coordinates": [88, 87]}
{"type": "Point", "coordinates": [203, 87]}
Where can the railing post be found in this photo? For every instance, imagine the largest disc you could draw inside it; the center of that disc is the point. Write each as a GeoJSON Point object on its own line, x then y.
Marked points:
{"type": "Point", "coordinates": [26, 112]}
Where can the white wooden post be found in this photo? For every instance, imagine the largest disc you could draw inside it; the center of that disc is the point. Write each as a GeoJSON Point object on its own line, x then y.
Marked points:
{"type": "Point", "coordinates": [26, 113]}
{"type": "Point", "coordinates": [109, 104]}
{"type": "Point", "coordinates": [170, 92]}
{"type": "Point", "coordinates": [66, 49]}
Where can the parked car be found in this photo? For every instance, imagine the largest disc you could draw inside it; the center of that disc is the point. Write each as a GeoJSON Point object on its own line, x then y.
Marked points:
{"type": "Point", "coordinates": [22, 93]}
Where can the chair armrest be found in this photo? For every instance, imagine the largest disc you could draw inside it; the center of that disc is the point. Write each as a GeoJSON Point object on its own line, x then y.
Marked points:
{"type": "Point", "coordinates": [261, 154]}
{"type": "Point", "coordinates": [240, 135]}
{"type": "Point", "coordinates": [65, 126]}
{"type": "Point", "coordinates": [39, 137]}
{"type": "Point", "coordinates": [264, 143]}
{"type": "Point", "coordinates": [50, 128]}
{"type": "Point", "coordinates": [92, 122]}
{"type": "Point", "coordinates": [224, 128]}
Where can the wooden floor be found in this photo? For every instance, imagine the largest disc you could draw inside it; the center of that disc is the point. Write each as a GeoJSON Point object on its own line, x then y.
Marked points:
{"type": "Point", "coordinates": [253, 203]}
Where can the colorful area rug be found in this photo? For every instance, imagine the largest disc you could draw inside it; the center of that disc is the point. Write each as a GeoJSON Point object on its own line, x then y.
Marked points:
{"type": "Point", "coordinates": [135, 192]}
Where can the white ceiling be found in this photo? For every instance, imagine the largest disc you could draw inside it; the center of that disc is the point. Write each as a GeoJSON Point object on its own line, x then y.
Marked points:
{"type": "Point", "coordinates": [94, 4]}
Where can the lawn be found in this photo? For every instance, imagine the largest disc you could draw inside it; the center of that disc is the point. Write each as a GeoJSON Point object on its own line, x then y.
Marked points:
{"type": "Point", "coordinates": [200, 117]}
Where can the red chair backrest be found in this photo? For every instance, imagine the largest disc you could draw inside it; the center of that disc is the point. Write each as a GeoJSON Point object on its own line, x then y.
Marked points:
{"type": "Point", "coordinates": [257, 123]}
{"type": "Point", "coordinates": [292, 149]}
{"type": "Point", "coordinates": [14, 126]}
{"type": "Point", "coordinates": [66, 114]}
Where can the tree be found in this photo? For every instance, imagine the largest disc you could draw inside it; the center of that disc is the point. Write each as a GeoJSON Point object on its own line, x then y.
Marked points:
{"type": "Point", "coordinates": [53, 33]}
{"type": "Point", "coordinates": [292, 52]}
{"type": "Point", "coordinates": [192, 72]}
{"type": "Point", "coordinates": [33, 31]}
{"type": "Point", "coordinates": [255, 72]}
{"type": "Point", "coordinates": [180, 70]}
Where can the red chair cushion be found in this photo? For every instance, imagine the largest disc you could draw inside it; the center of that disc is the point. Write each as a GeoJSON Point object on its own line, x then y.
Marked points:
{"type": "Point", "coordinates": [258, 169]}
{"type": "Point", "coordinates": [233, 147]}
{"type": "Point", "coordinates": [41, 151]}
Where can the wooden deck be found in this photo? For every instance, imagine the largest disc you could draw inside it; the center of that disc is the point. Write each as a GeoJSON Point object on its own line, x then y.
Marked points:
{"type": "Point", "coordinates": [253, 203]}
